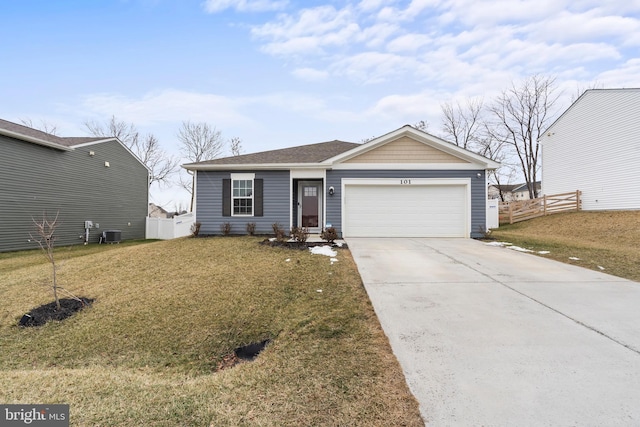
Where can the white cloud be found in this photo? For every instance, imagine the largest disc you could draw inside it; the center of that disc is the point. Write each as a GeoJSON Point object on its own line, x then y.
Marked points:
{"type": "Point", "coordinates": [409, 43]}
{"type": "Point", "coordinates": [624, 76]}
{"type": "Point", "coordinates": [308, 32]}
{"type": "Point", "coordinates": [310, 74]}
{"type": "Point", "coordinates": [166, 106]}
{"type": "Point", "coordinates": [215, 6]}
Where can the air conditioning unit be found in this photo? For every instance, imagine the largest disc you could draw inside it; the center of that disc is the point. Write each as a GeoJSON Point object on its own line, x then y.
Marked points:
{"type": "Point", "coordinates": [111, 236]}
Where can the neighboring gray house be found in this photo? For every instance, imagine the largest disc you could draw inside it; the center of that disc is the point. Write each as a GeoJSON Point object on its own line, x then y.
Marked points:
{"type": "Point", "coordinates": [594, 147]}
{"type": "Point", "coordinates": [406, 183]}
{"type": "Point", "coordinates": [80, 179]}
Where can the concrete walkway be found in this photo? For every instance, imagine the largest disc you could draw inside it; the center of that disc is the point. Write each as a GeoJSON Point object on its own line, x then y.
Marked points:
{"type": "Point", "coordinates": [488, 336]}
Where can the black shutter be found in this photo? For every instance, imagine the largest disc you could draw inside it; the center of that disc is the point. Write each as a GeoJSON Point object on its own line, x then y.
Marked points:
{"type": "Point", "coordinates": [226, 197]}
{"type": "Point", "coordinates": [257, 197]}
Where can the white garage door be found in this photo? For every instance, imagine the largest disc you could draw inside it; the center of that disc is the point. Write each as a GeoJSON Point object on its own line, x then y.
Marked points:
{"type": "Point", "coordinates": [405, 210]}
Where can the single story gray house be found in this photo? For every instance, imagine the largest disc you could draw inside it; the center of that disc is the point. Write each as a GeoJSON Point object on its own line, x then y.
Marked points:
{"type": "Point", "coordinates": [94, 185]}
{"type": "Point", "coordinates": [406, 183]}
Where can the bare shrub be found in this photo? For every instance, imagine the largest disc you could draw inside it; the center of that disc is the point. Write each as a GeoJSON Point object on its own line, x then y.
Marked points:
{"type": "Point", "coordinates": [195, 229]}
{"type": "Point", "coordinates": [300, 234]}
{"type": "Point", "coordinates": [251, 228]}
{"type": "Point", "coordinates": [329, 234]}
{"type": "Point", "coordinates": [226, 228]}
{"type": "Point", "coordinates": [279, 232]}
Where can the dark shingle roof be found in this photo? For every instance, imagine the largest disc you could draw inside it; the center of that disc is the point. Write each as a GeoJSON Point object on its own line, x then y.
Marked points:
{"type": "Point", "coordinates": [312, 153]}
{"type": "Point", "coordinates": [76, 140]}
{"type": "Point", "coordinates": [33, 133]}
{"type": "Point", "coordinates": [14, 128]}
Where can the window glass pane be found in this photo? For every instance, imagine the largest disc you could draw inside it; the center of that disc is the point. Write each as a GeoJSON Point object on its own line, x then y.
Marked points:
{"type": "Point", "coordinates": [242, 197]}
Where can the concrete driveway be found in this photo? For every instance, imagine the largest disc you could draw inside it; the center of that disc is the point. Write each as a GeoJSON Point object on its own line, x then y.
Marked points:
{"type": "Point", "coordinates": [488, 336]}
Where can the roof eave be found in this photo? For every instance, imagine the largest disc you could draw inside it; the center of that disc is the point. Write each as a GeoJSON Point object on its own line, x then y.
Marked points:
{"type": "Point", "coordinates": [253, 166]}
{"type": "Point", "coordinates": [33, 140]}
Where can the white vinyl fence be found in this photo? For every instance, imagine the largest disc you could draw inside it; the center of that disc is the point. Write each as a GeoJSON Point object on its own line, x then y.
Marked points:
{"type": "Point", "coordinates": [170, 228]}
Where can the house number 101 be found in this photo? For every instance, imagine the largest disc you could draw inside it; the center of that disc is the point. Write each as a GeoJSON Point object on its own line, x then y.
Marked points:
{"type": "Point", "coordinates": [405, 182]}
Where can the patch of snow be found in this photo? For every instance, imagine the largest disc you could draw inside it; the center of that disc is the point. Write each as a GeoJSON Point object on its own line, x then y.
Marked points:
{"type": "Point", "coordinates": [319, 291]}
{"type": "Point", "coordinates": [334, 260]}
{"type": "Point", "coordinates": [287, 260]}
{"type": "Point", "coordinates": [500, 244]}
{"type": "Point", "coordinates": [339, 244]}
{"type": "Point", "coordinates": [544, 252]}
{"type": "Point", "coordinates": [574, 258]}
{"type": "Point", "coordinates": [323, 250]}
{"type": "Point", "coordinates": [272, 239]}
{"type": "Point", "coordinates": [519, 249]}
{"type": "Point", "coordinates": [601, 267]}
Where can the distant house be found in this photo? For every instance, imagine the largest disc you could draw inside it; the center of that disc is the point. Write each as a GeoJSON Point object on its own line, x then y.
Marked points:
{"type": "Point", "coordinates": [594, 146]}
{"type": "Point", "coordinates": [156, 211]}
{"type": "Point", "coordinates": [521, 191]}
{"type": "Point", "coordinates": [406, 183]}
{"type": "Point", "coordinates": [502, 192]}
{"type": "Point", "coordinates": [511, 192]}
{"type": "Point", "coordinates": [94, 184]}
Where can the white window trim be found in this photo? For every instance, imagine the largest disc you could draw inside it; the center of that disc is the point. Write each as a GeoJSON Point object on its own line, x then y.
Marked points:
{"type": "Point", "coordinates": [244, 177]}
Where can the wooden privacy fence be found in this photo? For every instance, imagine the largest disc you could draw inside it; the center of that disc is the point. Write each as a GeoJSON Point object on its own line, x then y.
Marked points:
{"type": "Point", "coordinates": [522, 210]}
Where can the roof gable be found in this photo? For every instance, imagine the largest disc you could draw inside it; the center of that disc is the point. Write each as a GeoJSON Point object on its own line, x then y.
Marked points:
{"type": "Point", "coordinates": [597, 99]}
{"type": "Point", "coordinates": [410, 146]}
{"type": "Point", "coordinates": [405, 150]}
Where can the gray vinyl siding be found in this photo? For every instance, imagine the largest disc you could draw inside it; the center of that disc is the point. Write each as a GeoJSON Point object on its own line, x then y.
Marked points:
{"type": "Point", "coordinates": [276, 190]}
{"type": "Point", "coordinates": [478, 191]}
{"type": "Point", "coordinates": [36, 179]}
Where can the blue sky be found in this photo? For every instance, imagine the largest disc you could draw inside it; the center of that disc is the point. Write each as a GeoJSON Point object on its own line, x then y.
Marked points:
{"type": "Point", "coordinates": [279, 73]}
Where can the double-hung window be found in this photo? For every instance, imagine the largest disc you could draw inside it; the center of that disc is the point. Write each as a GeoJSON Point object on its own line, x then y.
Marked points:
{"type": "Point", "coordinates": [242, 194]}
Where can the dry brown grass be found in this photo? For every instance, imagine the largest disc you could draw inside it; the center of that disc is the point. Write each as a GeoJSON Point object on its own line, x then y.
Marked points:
{"type": "Point", "coordinates": [166, 313]}
{"type": "Point", "coordinates": [600, 239]}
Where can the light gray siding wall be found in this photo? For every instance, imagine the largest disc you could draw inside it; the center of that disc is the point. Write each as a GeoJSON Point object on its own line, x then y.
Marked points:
{"type": "Point", "coordinates": [595, 147]}
{"type": "Point", "coordinates": [276, 191]}
{"type": "Point", "coordinates": [36, 179]}
{"type": "Point", "coordinates": [478, 191]}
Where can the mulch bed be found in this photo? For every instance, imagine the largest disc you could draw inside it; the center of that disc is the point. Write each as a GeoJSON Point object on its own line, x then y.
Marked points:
{"type": "Point", "coordinates": [48, 312]}
{"type": "Point", "coordinates": [299, 245]}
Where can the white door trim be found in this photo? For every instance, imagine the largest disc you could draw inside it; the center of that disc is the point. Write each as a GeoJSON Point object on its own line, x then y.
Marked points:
{"type": "Point", "coordinates": [320, 184]}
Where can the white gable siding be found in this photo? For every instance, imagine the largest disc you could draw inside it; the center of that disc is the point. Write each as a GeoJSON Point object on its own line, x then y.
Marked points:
{"type": "Point", "coordinates": [595, 147]}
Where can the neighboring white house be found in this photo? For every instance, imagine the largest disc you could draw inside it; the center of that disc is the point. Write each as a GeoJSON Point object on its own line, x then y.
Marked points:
{"type": "Point", "coordinates": [511, 192]}
{"type": "Point", "coordinates": [594, 147]}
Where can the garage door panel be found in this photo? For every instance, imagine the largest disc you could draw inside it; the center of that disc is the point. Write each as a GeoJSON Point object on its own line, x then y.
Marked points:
{"type": "Point", "coordinates": [405, 211]}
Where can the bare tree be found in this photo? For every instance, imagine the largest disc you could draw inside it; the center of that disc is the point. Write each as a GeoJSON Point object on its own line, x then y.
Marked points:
{"type": "Point", "coordinates": [521, 114]}
{"type": "Point", "coordinates": [422, 125]}
{"type": "Point", "coordinates": [235, 145]}
{"type": "Point", "coordinates": [125, 132]}
{"type": "Point", "coordinates": [45, 238]}
{"type": "Point", "coordinates": [462, 124]}
{"type": "Point", "coordinates": [200, 141]}
{"type": "Point", "coordinates": [151, 154]}
{"type": "Point", "coordinates": [582, 89]}
{"type": "Point", "coordinates": [147, 148]}
{"type": "Point", "coordinates": [44, 126]}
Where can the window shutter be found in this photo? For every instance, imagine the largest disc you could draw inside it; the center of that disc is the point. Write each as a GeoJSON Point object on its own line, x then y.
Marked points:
{"type": "Point", "coordinates": [226, 197]}
{"type": "Point", "coordinates": [257, 197]}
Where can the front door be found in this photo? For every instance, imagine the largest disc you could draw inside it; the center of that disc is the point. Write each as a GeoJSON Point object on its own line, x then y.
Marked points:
{"type": "Point", "coordinates": [310, 205]}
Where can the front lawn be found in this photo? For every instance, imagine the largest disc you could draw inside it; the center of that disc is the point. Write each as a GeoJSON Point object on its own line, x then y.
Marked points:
{"type": "Point", "coordinates": [606, 241]}
{"type": "Point", "coordinates": [166, 314]}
